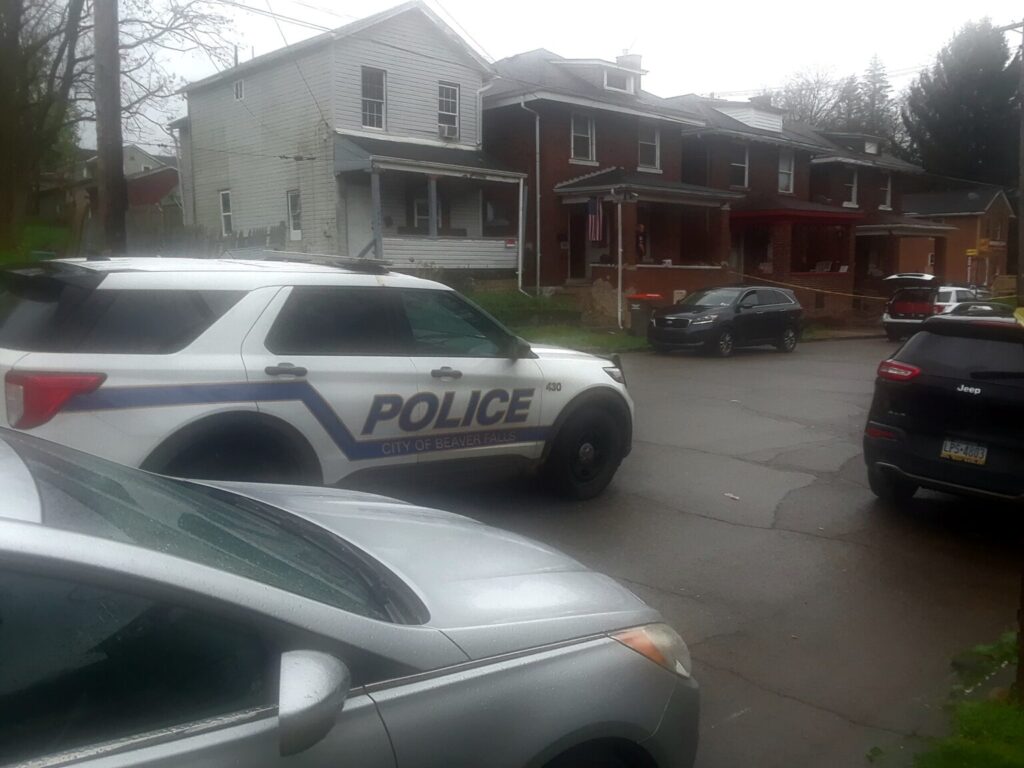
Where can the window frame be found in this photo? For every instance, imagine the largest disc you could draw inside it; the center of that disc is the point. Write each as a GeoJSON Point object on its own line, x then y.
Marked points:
{"type": "Point", "coordinates": [227, 218]}
{"type": "Point", "coordinates": [886, 204]}
{"type": "Point", "coordinates": [294, 233]}
{"type": "Point", "coordinates": [239, 89]}
{"type": "Point", "coordinates": [591, 136]}
{"type": "Point", "coordinates": [382, 101]}
{"type": "Point", "coordinates": [441, 84]}
{"type": "Point", "coordinates": [850, 200]}
{"type": "Point", "coordinates": [745, 165]}
{"type": "Point", "coordinates": [641, 166]}
{"type": "Point", "coordinates": [630, 82]}
{"type": "Point", "coordinates": [785, 152]}
{"type": "Point", "coordinates": [417, 216]}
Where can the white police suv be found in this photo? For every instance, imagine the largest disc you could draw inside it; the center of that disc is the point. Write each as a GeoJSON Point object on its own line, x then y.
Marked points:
{"type": "Point", "coordinates": [306, 371]}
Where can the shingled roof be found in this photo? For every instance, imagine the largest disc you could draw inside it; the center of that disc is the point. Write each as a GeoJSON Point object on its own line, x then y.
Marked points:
{"type": "Point", "coordinates": [969, 201]}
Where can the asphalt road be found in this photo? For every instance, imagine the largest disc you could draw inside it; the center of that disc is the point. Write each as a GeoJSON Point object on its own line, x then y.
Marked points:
{"type": "Point", "coordinates": [821, 623]}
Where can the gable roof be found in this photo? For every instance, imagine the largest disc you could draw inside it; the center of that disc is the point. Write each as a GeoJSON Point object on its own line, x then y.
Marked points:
{"type": "Point", "coordinates": [541, 74]}
{"type": "Point", "coordinates": [969, 201]}
{"type": "Point", "coordinates": [340, 33]}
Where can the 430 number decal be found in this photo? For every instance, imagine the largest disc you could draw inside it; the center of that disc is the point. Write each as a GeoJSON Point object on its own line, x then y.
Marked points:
{"type": "Point", "coordinates": [553, 386]}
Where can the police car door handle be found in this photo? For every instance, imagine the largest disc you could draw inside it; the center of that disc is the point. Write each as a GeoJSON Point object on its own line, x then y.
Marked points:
{"type": "Point", "coordinates": [446, 373]}
{"type": "Point", "coordinates": [285, 369]}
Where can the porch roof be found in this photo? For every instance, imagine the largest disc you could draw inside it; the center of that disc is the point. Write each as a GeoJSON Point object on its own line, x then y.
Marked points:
{"type": "Point", "coordinates": [785, 207]}
{"type": "Point", "coordinates": [883, 223]}
{"type": "Point", "coordinates": [362, 153]}
{"type": "Point", "coordinates": [608, 182]}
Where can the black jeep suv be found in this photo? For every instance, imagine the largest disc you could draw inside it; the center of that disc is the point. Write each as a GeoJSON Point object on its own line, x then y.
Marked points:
{"type": "Point", "coordinates": [948, 412]}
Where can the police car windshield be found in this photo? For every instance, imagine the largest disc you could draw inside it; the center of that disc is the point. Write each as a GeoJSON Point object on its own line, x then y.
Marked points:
{"type": "Point", "coordinates": [719, 297]}
{"type": "Point", "coordinates": [86, 494]}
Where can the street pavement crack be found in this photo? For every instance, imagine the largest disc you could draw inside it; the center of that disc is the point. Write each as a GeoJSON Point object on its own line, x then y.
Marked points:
{"type": "Point", "coordinates": [804, 702]}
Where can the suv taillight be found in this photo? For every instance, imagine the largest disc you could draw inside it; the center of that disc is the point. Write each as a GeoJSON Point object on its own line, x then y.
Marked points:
{"type": "Point", "coordinates": [35, 398]}
{"type": "Point", "coordinates": [894, 371]}
{"type": "Point", "coordinates": [937, 309]}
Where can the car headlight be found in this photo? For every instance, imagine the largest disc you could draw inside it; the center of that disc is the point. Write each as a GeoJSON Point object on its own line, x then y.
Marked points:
{"type": "Point", "coordinates": [704, 320]}
{"type": "Point", "coordinates": [616, 374]}
{"type": "Point", "coordinates": [659, 643]}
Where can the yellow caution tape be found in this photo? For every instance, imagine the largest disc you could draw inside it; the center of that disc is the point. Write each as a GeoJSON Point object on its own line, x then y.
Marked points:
{"type": "Point", "coordinates": [808, 288]}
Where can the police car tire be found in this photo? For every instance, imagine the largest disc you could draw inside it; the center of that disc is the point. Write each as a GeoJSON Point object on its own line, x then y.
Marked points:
{"type": "Point", "coordinates": [586, 453]}
{"type": "Point", "coordinates": [245, 453]}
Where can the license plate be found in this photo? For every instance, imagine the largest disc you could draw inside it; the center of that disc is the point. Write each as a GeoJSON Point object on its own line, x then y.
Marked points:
{"type": "Point", "coordinates": [968, 453]}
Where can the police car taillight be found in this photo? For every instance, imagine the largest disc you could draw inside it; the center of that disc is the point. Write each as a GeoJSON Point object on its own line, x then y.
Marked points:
{"type": "Point", "coordinates": [35, 398]}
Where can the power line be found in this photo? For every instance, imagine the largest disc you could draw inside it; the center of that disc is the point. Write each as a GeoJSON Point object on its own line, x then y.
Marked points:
{"type": "Point", "coordinates": [298, 67]}
{"type": "Point", "coordinates": [321, 9]}
{"type": "Point", "coordinates": [277, 17]}
{"type": "Point", "coordinates": [239, 152]}
{"type": "Point", "coordinates": [462, 29]}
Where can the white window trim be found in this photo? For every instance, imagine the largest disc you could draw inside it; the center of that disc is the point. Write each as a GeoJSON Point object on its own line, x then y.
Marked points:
{"type": "Point", "coordinates": [856, 180]}
{"type": "Point", "coordinates": [630, 87]}
{"type": "Point", "coordinates": [226, 216]}
{"type": "Point", "coordinates": [746, 168]}
{"type": "Point", "coordinates": [458, 104]}
{"type": "Point", "coordinates": [239, 90]}
{"type": "Point", "coordinates": [592, 129]}
{"type": "Point", "coordinates": [293, 233]}
{"type": "Point", "coordinates": [887, 205]}
{"type": "Point", "coordinates": [656, 168]}
{"type": "Point", "coordinates": [791, 170]}
{"type": "Point", "coordinates": [383, 102]}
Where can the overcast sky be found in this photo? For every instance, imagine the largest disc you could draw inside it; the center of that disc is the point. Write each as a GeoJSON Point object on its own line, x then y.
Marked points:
{"type": "Point", "coordinates": [729, 47]}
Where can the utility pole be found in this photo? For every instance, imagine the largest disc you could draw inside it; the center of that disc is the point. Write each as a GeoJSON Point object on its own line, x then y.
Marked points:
{"type": "Point", "coordinates": [1019, 27]}
{"type": "Point", "coordinates": [113, 192]}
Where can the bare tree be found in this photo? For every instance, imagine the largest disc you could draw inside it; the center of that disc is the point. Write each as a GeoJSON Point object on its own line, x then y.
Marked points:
{"type": "Point", "coordinates": [46, 78]}
{"type": "Point", "coordinates": [810, 97]}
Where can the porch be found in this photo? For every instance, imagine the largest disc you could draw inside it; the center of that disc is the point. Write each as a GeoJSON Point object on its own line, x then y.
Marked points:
{"type": "Point", "coordinates": [879, 245]}
{"type": "Point", "coordinates": [428, 207]}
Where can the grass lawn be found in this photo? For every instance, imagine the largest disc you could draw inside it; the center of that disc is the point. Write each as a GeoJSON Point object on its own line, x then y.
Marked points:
{"type": "Point", "coordinates": [986, 734]}
{"type": "Point", "coordinates": [585, 339]}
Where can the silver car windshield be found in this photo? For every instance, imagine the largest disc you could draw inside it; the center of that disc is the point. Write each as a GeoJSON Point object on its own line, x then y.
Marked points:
{"type": "Point", "coordinates": [85, 494]}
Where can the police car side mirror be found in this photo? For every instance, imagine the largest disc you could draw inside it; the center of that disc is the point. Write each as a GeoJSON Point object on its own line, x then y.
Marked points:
{"type": "Point", "coordinates": [519, 348]}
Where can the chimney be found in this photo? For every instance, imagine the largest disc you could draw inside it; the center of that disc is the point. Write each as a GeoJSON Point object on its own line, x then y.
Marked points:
{"type": "Point", "coordinates": [631, 61]}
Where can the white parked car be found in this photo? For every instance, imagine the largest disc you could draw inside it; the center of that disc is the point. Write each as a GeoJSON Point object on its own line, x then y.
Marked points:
{"type": "Point", "coordinates": [275, 370]}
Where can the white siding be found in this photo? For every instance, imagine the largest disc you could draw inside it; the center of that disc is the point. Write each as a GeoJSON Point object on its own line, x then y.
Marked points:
{"type": "Point", "coordinates": [185, 176]}
{"type": "Point", "coordinates": [235, 145]}
{"type": "Point", "coordinates": [416, 55]}
{"type": "Point", "coordinates": [752, 116]}
{"type": "Point", "coordinates": [449, 253]}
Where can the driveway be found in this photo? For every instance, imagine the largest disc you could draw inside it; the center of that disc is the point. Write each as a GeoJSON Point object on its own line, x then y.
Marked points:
{"type": "Point", "coordinates": [821, 624]}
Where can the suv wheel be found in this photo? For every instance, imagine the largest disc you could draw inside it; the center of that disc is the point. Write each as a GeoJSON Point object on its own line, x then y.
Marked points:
{"type": "Point", "coordinates": [787, 342]}
{"type": "Point", "coordinates": [723, 344]}
{"type": "Point", "coordinates": [890, 488]}
{"type": "Point", "coordinates": [586, 452]}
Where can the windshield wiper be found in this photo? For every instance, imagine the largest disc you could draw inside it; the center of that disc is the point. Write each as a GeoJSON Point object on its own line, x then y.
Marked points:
{"type": "Point", "coordinates": [997, 374]}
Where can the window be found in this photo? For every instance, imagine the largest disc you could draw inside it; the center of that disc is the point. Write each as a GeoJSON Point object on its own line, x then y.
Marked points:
{"type": "Point", "coordinates": [226, 227]}
{"type": "Point", "coordinates": [850, 184]}
{"type": "Point", "coordinates": [240, 90]}
{"type": "Point", "coordinates": [374, 97]}
{"type": "Point", "coordinates": [650, 147]}
{"type": "Point", "coordinates": [133, 322]}
{"type": "Point", "coordinates": [421, 214]}
{"type": "Point", "coordinates": [84, 665]}
{"type": "Point", "coordinates": [871, 147]}
{"type": "Point", "coordinates": [443, 323]}
{"type": "Point", "coordinates": [500, 215]}
{"type": "Point", "coordinates": [448, 108]}
{"type": "Point", "coordinates": [618, 81]}
{"type": "Point", "coordinates": [147, 168]}
{"type": "Point", "coordinates": [335, 321]}
{"type": "Point", "coordinates": [958, 357]}
{"type": "Point", "coordinates": [997, 230]}
{"type": "Point", "coordinates": [582, 138]}
{"type": "Point", "coordinates": [294, 203]}
{"type": "Point", "coordinates": [786, 164]}
{"type": "Point", "coordinates": [886, 204]}
{"type": "Point", "coordinates": [739, 165]}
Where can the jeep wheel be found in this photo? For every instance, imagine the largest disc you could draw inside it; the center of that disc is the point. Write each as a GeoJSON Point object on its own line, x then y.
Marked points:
{"type": "Point", "coordinates": [723, 344]}
{"type": "Point", "coordinates": [586, 452]}
{"type": "Point", "coordinates": [787, 342]}
{"type": "Point", "coordinates": [890, 488]}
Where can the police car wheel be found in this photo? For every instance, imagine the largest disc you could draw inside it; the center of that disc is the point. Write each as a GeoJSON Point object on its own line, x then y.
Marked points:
{"type": "Point", "coordinates": [236, 459]}
{"type": "Point", "coordinates": [585, 455]}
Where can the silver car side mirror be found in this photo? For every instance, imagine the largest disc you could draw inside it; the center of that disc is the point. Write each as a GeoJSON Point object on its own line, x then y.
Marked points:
{"type": "Point", "coordinates": [313, 688]}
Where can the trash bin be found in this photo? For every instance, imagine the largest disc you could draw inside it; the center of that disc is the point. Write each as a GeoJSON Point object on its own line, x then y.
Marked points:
{"type": "Point", "coordinates": [641, 305]}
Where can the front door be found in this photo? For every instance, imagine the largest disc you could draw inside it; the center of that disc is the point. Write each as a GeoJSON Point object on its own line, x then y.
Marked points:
{"type": "Point", "coordinates": [750, 319]}
{"type": "Point", "coordinates": [329, 361]}
{"type": "Point", "coordinates": [577, 246]}
{"type": "Point", "coordinates": [474, 399]}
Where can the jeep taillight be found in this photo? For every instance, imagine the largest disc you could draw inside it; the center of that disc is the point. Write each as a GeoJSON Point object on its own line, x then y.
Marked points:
{"type": "Point", "coordinates": [35, 398]}
{"type": "Point", "coordinates": [894, 371]}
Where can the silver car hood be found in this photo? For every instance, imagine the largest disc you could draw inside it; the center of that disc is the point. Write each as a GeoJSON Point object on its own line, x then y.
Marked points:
{"type": "Point", "coordinates": [489, 590]}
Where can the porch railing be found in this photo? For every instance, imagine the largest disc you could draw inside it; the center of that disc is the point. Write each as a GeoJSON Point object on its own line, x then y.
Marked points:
{"type": "Point", "coordinates": [412, 252]}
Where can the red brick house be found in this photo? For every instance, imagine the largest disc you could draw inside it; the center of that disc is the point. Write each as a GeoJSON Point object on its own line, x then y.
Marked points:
{"type": "Point", "coordinates": [602, 144]}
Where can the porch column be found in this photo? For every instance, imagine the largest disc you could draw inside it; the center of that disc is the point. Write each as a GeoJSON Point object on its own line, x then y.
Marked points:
{"type": "Point", "coordinates": [432, 204]}
{"type": "Point", "coordinates": [629, 233]}
{"type": "Point", "coordinates": [940, 257]}
{"type": "Point", "coordinates": [782, 248]}
{"type": "Point", "coordinates": [376, 217]}
{"type": "Point", "coordinates": [723, 238]}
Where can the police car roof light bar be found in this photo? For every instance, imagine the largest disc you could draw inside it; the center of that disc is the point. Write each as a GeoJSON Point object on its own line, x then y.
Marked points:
{"type": "Point", "coordinates": [352, 264]}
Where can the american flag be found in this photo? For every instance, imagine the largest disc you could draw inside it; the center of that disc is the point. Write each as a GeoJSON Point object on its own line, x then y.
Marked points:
{"type": "Point", "coordinates": [595, 220]}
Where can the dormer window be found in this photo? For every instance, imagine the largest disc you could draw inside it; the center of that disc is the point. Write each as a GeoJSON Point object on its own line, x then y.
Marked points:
{"type": "Point", "coordinates": [618, 81]}
{"type": "Point", "coordinates": [871, 148]}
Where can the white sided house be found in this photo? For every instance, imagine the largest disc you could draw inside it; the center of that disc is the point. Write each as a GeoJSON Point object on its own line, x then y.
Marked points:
{"type": "Point", "coordinates": [363, 141]}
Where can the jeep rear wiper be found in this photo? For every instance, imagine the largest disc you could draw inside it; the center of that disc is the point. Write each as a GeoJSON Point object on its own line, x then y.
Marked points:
{"type": "Point", "coordinates": [997, 375]}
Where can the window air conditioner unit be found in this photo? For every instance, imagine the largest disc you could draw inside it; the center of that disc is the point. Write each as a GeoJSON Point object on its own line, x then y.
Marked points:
{"type": "Point", "coordinates": [448, 131]}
